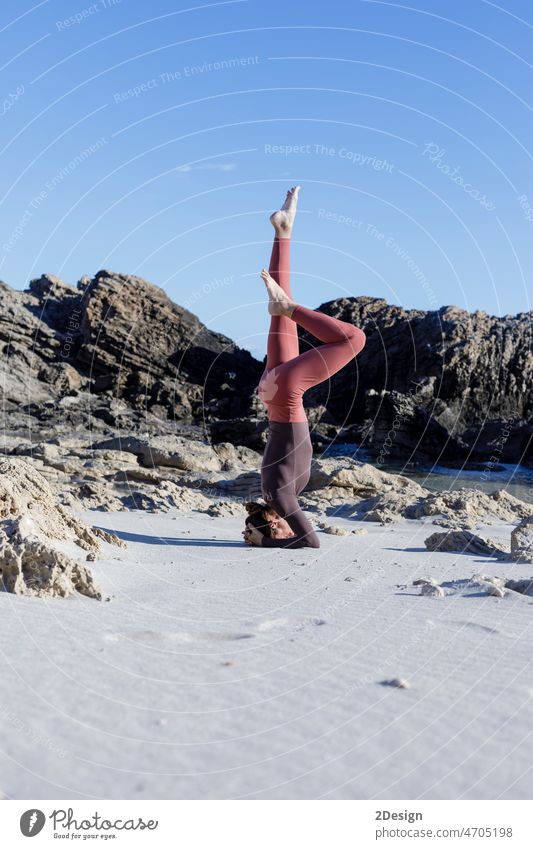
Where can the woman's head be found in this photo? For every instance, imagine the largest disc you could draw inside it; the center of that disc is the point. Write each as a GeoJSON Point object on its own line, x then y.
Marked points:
{"type": "Point", "coordinates": [267, 520]}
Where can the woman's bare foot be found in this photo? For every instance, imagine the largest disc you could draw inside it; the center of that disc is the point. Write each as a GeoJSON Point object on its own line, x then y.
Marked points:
{"type": "Point", "coordinates": [278, 302]}
{"type": "Point", "coordinates": [283, 219]}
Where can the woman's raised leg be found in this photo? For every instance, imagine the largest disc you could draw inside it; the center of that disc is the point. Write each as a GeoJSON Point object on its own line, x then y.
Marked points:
{"type": "Point", "coordinates": [283, 336]}
{"type": "Point", "coordinates": [343, 341]}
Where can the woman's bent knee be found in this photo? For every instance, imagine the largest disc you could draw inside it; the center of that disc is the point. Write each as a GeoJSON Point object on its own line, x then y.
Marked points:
{"type": "Point", "coordinates": [357, 338]}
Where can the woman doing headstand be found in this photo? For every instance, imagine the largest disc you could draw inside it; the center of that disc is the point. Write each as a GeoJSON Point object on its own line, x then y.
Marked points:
{"type": "Point", "coordinates": [286, 465]}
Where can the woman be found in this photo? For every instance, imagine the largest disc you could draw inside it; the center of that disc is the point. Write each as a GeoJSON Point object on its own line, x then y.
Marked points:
{"type": "Point", "coordinates": [286, 466]}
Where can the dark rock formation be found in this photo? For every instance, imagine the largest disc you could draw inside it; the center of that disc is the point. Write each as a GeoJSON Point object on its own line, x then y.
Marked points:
{"type": "Point", "coordinates": [116, 349]}
{"type": "Point", "coordinates": [116, 353]}
{"type": "Point", "coordinates": [440, 386]}
{"type": "Point", "coordinates": [139, 345]}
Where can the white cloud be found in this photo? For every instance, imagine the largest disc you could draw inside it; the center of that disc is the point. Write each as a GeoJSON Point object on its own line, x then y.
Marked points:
{"type": "Point", "coordinates": [208, 166]}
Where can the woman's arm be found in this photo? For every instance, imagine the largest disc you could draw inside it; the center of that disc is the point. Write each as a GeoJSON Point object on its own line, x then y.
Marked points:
{"type": "Point", "coordinates": [305, 537]}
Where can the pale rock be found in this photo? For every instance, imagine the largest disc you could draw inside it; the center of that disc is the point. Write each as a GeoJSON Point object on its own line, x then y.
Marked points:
{"type": "Point", "coordinates": [433, 590]}
{"type": "Point", "coordinates": [336, 530]}
{"type": "Point", "coordinates": [462, 541]}
{"type": "Point", "coordinates": [225, 508]}
{"type": "Point", "coordinates": [166, 498]}
{"type": "Point", "coordinates": [522, 541]}
{"type": "Point", "coordinates": [31, 565]}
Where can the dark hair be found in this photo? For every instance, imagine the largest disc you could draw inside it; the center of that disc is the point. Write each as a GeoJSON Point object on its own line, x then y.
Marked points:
{"type": "Point", "coordinates": [258, 516]}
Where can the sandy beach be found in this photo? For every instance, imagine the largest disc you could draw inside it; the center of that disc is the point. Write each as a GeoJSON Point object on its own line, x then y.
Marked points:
{"type": "Point", "coordinates": [215, 670]}
{"type": "Point", "coordinates": [266, 443]}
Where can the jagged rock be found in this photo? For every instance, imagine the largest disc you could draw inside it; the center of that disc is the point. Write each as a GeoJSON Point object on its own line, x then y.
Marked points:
{"type": "Point", "coordinates": [59, 306]}
{"type": "Point", "coordinates": [462, 541]}
{"type": "Point", "coordinates": [115, 333]}
{"type": "Point", "coordinates": [152, 352]}
{"type": "Point", "coordinates": [210, 482]}
{"type": "Point", "coordinates": [170, 451]}
{"type": "Point", "coordinates": [467, 507]}
{"type": "Point", "coordinates": [32, 523]}
{"type": "Point", "coordinates": [225, 508]}
{"type": "Point", "coordinates": [522, 541]}
{"type": "Point", "coordinates": [388, 507]}
{"type": "Point", "coordinates": [432, 590]}
{"type": "Point", "coordinates": [27, 344]}
{"type": "Point", "coordinates": [373, 495]}
{"type": "Point", "coordinates": [490, 585]}
{"type": "Point", "coordinates": [362, 479]}
{"type": "Point", "coordinates": [28, 449]}
{"type": "Point", "coordinates": [63, 378]}
{"type": "Point", "coordinates": [139, 475]}
{"type": "Point", "coordinates": [246, 487]}
{"type": "Point", "coordinates": [23, 491]}
{"type": "Point", "coordinates": [234, 457]}
{"type": "Point", "coordinates": [109, 537]}
{"type": "Point", "coordinates": [377, 496]}
{"type": "Point", "coordinates": [97, 495]}
{"type": "Point", "coordinates": [106, 462]}
{"type": "Point", "coordinates": [521, 585]}
{"type": "Point", "coordinates": [30, 565]}
{"type": "Point", "coordinates": [461, 508]}
{"type": "Point", "coordinates": [167, 498]}
{"type": "Point", "coordinates": [116, 352]}
{"type": "Point", "coordinates": [444, 383]}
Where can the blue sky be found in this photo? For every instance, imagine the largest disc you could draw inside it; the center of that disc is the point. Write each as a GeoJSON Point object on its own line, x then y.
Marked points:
{"type": "Point", "coordinates": [155, 139]}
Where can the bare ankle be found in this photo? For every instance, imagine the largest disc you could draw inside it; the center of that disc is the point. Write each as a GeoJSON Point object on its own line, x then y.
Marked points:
{"type": "Point", "coordinates": [282, 222]}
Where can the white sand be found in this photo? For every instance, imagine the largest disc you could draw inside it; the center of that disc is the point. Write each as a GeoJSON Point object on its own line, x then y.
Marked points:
{"type": "Point", "coordinates": [222, 671]}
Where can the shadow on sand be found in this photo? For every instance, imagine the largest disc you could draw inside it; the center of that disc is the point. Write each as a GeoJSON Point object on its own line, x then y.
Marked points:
{"type": "Point", "coordinates": [192, 541]}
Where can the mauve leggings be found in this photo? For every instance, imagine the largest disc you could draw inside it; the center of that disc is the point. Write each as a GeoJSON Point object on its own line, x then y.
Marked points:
{"type": "Point", "coordinates": [288, 374]}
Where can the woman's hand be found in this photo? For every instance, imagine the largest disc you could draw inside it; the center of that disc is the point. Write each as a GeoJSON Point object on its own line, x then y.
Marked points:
{"type": "Point", "coordinates": [252, 535]}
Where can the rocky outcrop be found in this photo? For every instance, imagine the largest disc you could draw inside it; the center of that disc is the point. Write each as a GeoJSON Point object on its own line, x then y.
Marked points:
{"type": "Point", "coordinates": [442, 385]}
{"type": "Point", "coordinates": [33, 526]}
{"type": "Point", "coordinates": [179, 453]}
{"type": "Point", "coordinates": [115, 353]}
{"type": "Point", "coordinates": [461, 541]}
{"type": "Point", "coordinates": [135, 342]}
{"type": "Point", "coordinates": [161, 473]}
{"type": "Point", "coordinates": [466, 508]}
{"type": "Point", "coordinates": [30, 565]}
{"type": "Point", "coordinates": [175, 474]}
{"type": "Point", "coordinates": [25, 492]}
{"type": "Point", "coordinates": [167, 497]}
{"type": "Point", "coordinates": [347, 487]}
